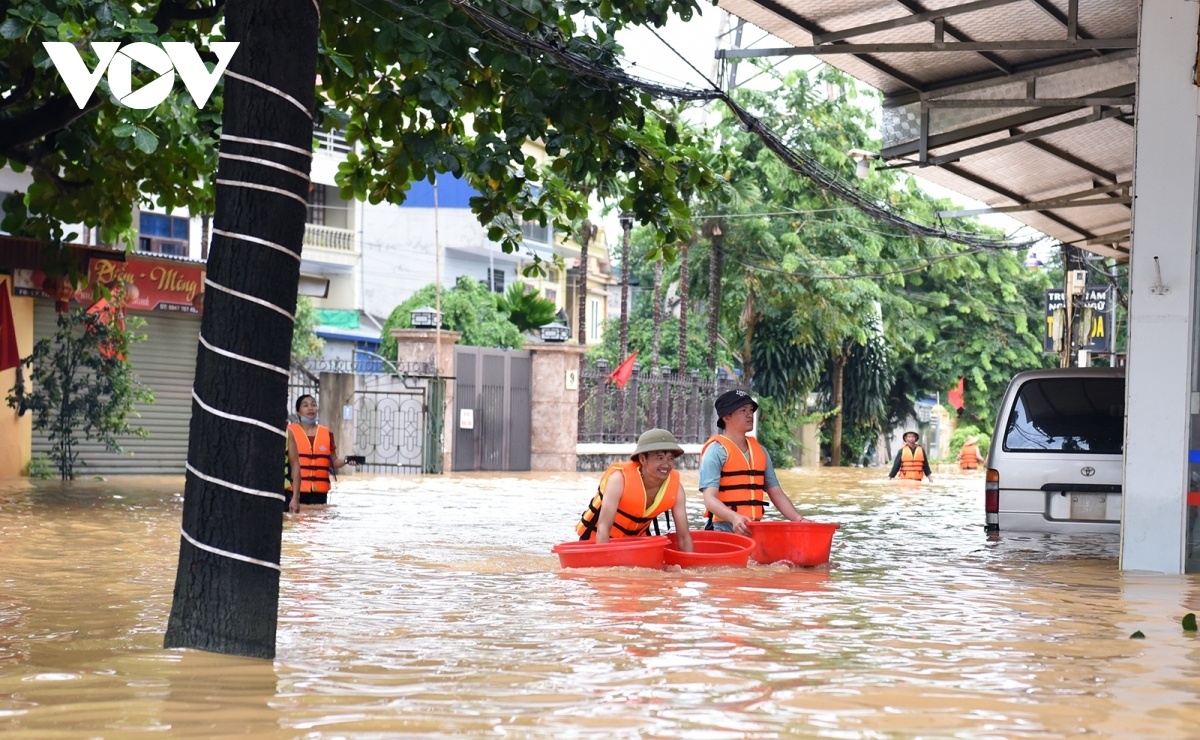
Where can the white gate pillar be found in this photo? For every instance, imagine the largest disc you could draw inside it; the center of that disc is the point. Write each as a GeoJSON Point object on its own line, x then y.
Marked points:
{"type": "Point", "coordinates": [1161, 320]}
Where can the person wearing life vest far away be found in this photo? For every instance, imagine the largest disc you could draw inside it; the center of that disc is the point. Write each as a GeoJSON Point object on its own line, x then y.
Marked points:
{"type": "Point", "coordinates": [736, 471]}
{"type": "Point", "coordinates": [968, 457]}
{"type": "Point", "coordinates": [311, 457]}
{"type": "Point", "coordinates": [911, 462]}
{"type": "Point", "coordinates": [632, 495]}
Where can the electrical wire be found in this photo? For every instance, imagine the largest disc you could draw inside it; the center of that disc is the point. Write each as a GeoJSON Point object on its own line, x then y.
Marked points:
{"type": "Point", "coordinates": [798, 161]}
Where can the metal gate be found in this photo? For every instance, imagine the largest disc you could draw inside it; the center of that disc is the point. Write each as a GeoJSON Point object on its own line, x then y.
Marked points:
{"type": "Point", "coordinates": [492, 404]}
{"type": "Point", "coordinates": [397, 415]}
{"type": "Point", "coordinates": [390, 429]}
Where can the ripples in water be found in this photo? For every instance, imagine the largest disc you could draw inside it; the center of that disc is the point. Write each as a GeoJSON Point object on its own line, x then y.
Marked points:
{"type": "Point", "coordinates": [433, 608]}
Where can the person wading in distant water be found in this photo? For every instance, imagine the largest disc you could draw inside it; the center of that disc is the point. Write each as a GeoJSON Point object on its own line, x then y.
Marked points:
{"type": "Point", "coordinates": [312, 454]}
{"type": "Point", "coordinates": [735, 470]}
{"type": "Point", "coordinates": [912, 463]}
{"type": "Point", "coordinates": [633, 494]}
{"type": "Point", "coordinates": [968, 458]}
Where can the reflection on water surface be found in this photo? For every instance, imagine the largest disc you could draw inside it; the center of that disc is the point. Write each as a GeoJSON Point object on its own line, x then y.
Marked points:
{"type": "Point", "coordinates": [432, 608]}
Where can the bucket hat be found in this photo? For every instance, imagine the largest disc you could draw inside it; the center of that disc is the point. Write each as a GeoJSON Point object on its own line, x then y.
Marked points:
{"type": "Point", "coordinates": [653, 440]}
{"type": "Point", "coordinates": [731, 401]}
{"type": "Point", "coordinates": [912, 432]}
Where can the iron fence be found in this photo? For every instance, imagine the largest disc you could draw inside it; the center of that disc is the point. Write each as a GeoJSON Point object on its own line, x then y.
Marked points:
{"type": "Point", "coordinates": [679, 403]}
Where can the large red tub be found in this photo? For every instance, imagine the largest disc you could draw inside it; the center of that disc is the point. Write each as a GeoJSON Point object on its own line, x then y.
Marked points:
{"type": "Point", "coordinates": [630, 552]}
{"type": "Point", "coordinates": [711, 549]}
{"type": "Point", "coordinates": [800, 543]}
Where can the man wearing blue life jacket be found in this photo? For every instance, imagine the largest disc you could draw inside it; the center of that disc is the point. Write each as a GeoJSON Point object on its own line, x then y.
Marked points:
{"type": "Point", "coordinates": [736, 471]}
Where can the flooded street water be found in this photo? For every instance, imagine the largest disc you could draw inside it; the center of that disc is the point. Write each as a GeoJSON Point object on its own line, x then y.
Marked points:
{"type": "Point", "coordinates": [433, 608]}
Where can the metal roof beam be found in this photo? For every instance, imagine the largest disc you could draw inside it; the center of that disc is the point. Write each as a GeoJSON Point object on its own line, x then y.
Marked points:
{"type": "Point", "coordinates": [812, 28]}
{"type": "Point", "coordinates": [1072, 200]}
{"type": "Point", "coordinates": [924, 16]}
{"type": "Point", "coordinates": [921, 48]}
{"type": "Point", "coordinates": [941, 29]}
{"type": "Point", "coordinates": [1032, 103]}
{"type": "Point", "coordinates": [988, 127]}
{"type": "Point", "coordinates": [1098, 115]}
{"type": "Point", "coordinates": [1005, 192]}
{"type": "Point", "coordinates": [1033, 70]}
{"type": "Point", "coordinates": [1071, 159]}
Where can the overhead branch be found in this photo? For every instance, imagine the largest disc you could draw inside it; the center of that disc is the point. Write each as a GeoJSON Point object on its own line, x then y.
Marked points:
{"type": "Point", "coordinates": [170, 11]}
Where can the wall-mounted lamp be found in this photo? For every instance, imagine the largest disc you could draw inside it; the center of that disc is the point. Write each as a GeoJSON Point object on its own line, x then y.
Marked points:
{"type": "Point", "coordinates": [862, 158]}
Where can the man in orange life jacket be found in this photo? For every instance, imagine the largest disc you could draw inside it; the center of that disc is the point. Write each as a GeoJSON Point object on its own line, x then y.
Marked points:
{"type": "Point", "coordinates": [968, 457]}
{"type": "Point", "coordinates": [736, 471]}
{"type": "Point", "coordinates": [633, 494]}
{"type": "Point", "coordinates": [911, 462]}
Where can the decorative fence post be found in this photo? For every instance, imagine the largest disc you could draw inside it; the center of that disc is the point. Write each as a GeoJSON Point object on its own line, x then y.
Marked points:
{"type": "Point", "coordinates": [635, 384]}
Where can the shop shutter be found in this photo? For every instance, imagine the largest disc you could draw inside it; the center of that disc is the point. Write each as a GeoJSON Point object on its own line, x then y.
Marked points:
{"type": "Point", "coordinates": [166, 362]}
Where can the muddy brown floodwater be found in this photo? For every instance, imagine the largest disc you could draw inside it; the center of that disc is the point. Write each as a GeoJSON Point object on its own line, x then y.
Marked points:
{"type": "Point", "coordinates": [433, 608]}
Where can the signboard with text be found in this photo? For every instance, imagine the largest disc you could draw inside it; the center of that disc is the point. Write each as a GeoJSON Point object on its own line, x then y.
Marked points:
{"type": "Point", "coordinates": [149, 285]}
{"type": "Point", "coordinates": [1092, 320]}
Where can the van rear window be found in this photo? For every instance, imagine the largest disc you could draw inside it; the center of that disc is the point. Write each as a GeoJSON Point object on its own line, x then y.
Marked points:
{"type": "Point", "coordinates": [1068, 415]}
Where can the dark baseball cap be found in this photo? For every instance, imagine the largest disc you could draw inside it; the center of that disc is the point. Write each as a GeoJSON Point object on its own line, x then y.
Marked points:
{"type": "Point", "coordinates": [731, 401]}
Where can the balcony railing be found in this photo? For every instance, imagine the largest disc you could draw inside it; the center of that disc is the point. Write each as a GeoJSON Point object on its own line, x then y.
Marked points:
{"type": "Point", "coordinates": [332, 142]}
{"type": "Point", "coordinates": [330, 237]}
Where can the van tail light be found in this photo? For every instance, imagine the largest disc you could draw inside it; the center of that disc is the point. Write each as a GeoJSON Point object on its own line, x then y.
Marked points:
{"type": "Point", "coordinates": [991, 500]}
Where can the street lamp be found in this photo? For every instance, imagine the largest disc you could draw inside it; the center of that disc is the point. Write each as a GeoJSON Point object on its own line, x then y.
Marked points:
{"type": "Point", "coordinates": [555, 332]}
{"type": "Point", "coordinates": [425, 318]}
{"type": "Point", "coordinates": [626, 219]}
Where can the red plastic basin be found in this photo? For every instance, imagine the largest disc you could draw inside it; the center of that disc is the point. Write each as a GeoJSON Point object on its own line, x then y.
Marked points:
{"type": "Point", "coordinates": [629, 552]}
{"type": "Point", "coordinates": [710, 549]}
{"type": "Point", "coordinates": [800, 543]}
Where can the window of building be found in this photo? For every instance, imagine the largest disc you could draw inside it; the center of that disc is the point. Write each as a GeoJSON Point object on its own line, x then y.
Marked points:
{"type": "Point", "coordinates": [495, 281]}
{"type": "Point", "coordinates": [316, 204]}
{"type": "Point", "coordinates": [159, 234]}
{"type": "Point", "coordinates": [533, 232]}
{"type": "Point", "coordinates": [550, 294]}
{"type": "Point", "coordinates": [594, 319]}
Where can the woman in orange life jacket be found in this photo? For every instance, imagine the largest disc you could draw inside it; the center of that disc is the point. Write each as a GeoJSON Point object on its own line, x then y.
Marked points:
{"type": "Point", "coordinates": [911, 462]}
{"type": "Point", "coordinates": [968, 457]}
{"type": "Point", "coordinates": [312, 454]}
{"type": "Point", "coordinates": [633, 494]}
{"type": "Point", "coordinates": [736, 471]}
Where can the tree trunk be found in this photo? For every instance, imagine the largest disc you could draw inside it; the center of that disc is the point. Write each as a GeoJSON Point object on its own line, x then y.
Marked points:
{"type": "Point", "coordinates": [585, 235]}
{"type": "Point", "coordinates": [748, 321]}
{"type": "Point", "coordinates": [716, 239]}
{"type": "Point", "coordinates": [227, 587]}
{"type": "Point", "coordinates": [683, 327]}
{"type": "Point", "coordinates": [627, 229]}
{"type": "Point", "coordinates": [656, 340]}
{"type": "Point", "coordinates": [683, 307]}
{"type": "Point", "coordinates": [627, 226]}
{"type": "Point", "coordinates": [835, 441]}
{"type": "Point", "coordinates": [205, 235]}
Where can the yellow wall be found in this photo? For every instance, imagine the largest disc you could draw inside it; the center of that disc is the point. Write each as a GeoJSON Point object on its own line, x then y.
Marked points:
{"type": "Point", "coordinates": [15, 432]}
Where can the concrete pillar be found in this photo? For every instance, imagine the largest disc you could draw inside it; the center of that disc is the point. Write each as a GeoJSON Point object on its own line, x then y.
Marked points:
{"type": "Point", "coordinates": [554, 406]}
{"type": "Point", "coordinates": [1158, 376]}
{"type": "Point", "coordinates": [419, 346]}
{"type": "Point", "coordinates": [337, 391]}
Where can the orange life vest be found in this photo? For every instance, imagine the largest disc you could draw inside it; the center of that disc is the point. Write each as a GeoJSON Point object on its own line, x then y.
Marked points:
{"type": "Point", "coordinates": [633, 518]}
{"type": "Point", "coordinates": [912, 462]}
{"type": "Point", "coordinates": [315, 459]}
{"type": "Point", "coordinates": [970, 457]}
{"type": "Point", "coordinates": [743, 482]}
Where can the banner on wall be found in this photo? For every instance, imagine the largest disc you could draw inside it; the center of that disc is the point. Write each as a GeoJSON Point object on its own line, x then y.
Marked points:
{"type": "Point", "coordinates": [149, 285]}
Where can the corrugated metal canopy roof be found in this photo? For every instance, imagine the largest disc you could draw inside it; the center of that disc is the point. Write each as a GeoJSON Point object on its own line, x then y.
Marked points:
{"type": "Point", "coordinates": [1026, 105]}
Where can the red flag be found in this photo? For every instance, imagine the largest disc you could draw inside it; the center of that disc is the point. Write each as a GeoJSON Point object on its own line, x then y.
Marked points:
{"type": "Point", "coordinates": [955, 397]}
{"type": "Point", "coordinates": [9, 357]}
{"type": "Point", "coordinates": [624, 371]}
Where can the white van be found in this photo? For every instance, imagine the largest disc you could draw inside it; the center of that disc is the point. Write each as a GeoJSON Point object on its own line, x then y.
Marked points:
{"type": "Point", "coordinates": [1056, 458]}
